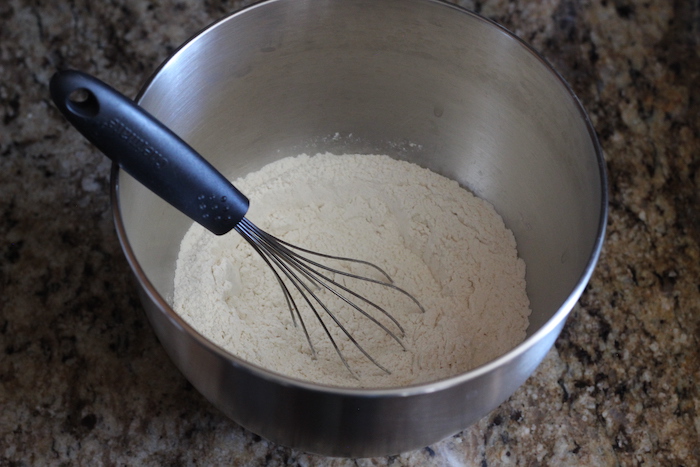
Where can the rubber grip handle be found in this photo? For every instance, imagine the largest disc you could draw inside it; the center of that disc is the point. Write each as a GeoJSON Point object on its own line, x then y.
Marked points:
{"type": "Point", "coordinates": [148, 151]}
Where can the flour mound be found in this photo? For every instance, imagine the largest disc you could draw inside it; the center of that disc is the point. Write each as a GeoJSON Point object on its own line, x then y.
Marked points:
{"type": "Point", "coordinates": [446, 247]}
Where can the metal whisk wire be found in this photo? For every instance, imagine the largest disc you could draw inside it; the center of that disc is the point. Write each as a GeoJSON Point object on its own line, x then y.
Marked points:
{"type": "Point", "coordinates": [284, 261]}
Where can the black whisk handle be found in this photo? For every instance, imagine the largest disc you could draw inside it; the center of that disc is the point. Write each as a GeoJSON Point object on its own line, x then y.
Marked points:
{"type": "Point", "coordinates": [148, 150]}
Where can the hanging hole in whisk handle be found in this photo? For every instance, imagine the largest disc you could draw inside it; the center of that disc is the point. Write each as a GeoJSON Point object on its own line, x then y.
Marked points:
{"type": "Point", "coordinates": [83, 102]}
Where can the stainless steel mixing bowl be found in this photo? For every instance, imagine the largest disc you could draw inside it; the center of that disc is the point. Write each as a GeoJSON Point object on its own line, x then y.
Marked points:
{"type": "Point", "coordinates": [419, 80]}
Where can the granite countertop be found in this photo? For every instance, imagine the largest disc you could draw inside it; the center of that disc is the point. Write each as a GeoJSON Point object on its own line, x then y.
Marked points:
{"type": "Point", "coordinates": [83, 379]}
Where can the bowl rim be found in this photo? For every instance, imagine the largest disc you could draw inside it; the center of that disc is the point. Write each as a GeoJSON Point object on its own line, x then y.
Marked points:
{"type": "Point", "coordinates": [372, 392]}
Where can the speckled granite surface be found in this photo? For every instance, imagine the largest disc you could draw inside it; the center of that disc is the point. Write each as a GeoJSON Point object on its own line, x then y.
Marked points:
{"type": "Point", "coordinates": [84, 381]}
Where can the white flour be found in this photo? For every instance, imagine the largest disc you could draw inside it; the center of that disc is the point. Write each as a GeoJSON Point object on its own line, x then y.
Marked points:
{"type": "Point", "coordinates": [445, 246]}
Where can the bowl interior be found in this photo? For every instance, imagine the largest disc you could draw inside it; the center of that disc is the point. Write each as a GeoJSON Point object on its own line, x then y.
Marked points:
{"type": "Point", "coordinates": [417, 80]}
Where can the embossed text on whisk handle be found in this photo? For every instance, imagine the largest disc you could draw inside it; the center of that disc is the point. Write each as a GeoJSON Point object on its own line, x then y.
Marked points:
{"type": "Point", "coordinates": [134, 141]}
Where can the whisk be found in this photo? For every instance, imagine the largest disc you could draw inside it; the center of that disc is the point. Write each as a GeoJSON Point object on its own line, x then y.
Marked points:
{"type": "Point", "coordinates": [156, 157]}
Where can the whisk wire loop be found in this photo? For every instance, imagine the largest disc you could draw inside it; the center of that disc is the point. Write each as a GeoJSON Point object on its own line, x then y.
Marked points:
{"type": "Point", "coordinates": [315, 277]}
{"type": "Point", "coordinates": [251, 233]}
{"type": "Point", "coordinates": [389, 283]}
{"type": "Point", "coordinates": [301, 272]}
{"type": "Point", "coordinates": [291, 303]}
